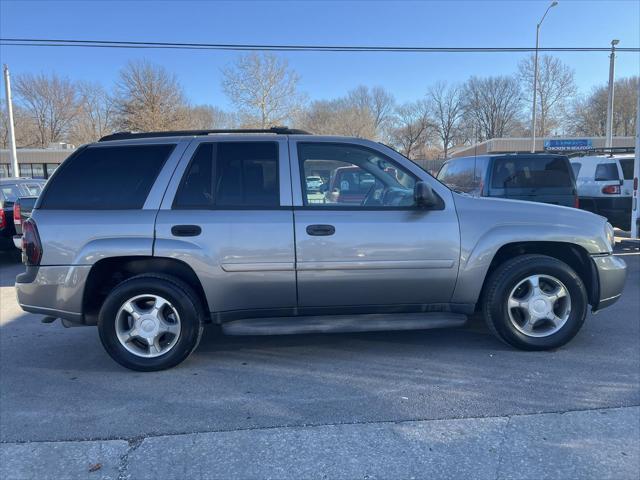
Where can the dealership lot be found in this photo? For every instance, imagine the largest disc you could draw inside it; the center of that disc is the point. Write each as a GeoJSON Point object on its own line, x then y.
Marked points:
{"type": "Point", "coordinates": [401, 404]}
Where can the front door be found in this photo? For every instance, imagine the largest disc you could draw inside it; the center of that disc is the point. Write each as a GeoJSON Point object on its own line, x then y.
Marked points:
{"type": "Point", "coordinates": [360, 239]}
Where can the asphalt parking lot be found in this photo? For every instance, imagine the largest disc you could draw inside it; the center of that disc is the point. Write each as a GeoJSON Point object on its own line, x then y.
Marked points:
{"type": "Point", "coordinates": [448, 403]}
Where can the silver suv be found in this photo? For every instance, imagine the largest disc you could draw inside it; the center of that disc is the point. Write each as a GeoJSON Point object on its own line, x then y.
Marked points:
{"type": "Point", "coordinates": [152, 236]}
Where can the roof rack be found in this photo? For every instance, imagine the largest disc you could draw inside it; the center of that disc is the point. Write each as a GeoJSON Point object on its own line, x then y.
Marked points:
{"type": "Point", "coordinates": [189, 133]}
{"type": "Point", "coordinates": [602, 151]}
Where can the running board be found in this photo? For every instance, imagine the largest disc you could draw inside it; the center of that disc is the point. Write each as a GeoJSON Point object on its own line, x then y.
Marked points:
{"type": "Point", "coordinates": [343, 323]}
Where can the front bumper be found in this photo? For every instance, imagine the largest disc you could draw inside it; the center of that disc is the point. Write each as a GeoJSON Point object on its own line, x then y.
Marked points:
{"type": "Point", "coordinates": [55, 291]}
{"type": "Point", "coordinates": [611, 272]}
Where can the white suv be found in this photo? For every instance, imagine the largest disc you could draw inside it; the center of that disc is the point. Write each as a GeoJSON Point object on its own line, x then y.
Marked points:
{"type": "Point", "coordinates": [605, 185]}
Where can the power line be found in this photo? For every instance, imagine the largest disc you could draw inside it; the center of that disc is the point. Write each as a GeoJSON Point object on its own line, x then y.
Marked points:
{"type": "Point", "coordinates": [48, 42]}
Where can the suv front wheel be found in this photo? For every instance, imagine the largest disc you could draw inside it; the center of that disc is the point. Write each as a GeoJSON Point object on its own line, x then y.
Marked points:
{"type": "Point", "coordinates": [151, 322]}
{"type": "Point", "coordinates": [535, 302]}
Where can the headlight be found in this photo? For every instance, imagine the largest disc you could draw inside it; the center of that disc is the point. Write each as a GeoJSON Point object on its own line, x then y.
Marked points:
{"type": "Point", "coordinates": [610, 235]}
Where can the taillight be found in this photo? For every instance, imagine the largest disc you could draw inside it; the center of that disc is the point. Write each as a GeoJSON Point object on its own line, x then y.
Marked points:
{"type": "Point", "coordinates": [576, 203]}
{"type": "Point", "coordinates": [31, 246]}
{"type": "Point", "coordinates": [611, 189]}
{"type": "Point", "coordinates": [3, 219]}
{"type": "Point", "coordinates": [16, 213]}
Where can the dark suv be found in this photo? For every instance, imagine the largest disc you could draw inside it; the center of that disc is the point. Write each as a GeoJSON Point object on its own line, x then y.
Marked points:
{"type": "Point", "coordinates": [535, 177]}
{"type": "Point", "coordinates": [10, 190]}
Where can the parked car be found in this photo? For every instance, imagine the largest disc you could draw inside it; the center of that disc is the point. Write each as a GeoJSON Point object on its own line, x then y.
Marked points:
{"type": "Point", "coordinates": [314, 183]}
{"type": "Point", "coordinates": [10, 190]}
{"type": "Point", "coordinates": [22, 208]}
{"type": "Point", "coordinates": [605, 186]}
{"type": "Point", "coordinates": [207, 228]}
{"type": "Point", "coordinates": [541, 178]}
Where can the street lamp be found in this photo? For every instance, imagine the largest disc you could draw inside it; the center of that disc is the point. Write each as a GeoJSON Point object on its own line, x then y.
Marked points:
{"type": "Point", "coordinates": [609, 127]}
{"type": "Point", "coordinates": [535, 79]}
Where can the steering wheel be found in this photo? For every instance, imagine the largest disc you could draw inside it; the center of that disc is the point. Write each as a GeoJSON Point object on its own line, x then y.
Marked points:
{"type": "Point", "coordinates": [369, 199]}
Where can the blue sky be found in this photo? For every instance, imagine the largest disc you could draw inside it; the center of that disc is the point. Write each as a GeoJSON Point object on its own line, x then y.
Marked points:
{"type": "Point", "coordinates": [576, 23]}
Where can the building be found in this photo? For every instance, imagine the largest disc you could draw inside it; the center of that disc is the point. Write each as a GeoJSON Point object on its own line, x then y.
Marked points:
{"type": "Point", "coordinates": [555, 144]}
{"type": "Point", "coordinates": [35, 162]}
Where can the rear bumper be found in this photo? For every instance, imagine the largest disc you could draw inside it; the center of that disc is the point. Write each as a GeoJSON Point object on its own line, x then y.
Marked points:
{"type": "Point", "coordinates": [611, 274]}
{"type": "Point", "coordinates": [56, 291]}
{"type": "Point", "coordinates": [616, 209]}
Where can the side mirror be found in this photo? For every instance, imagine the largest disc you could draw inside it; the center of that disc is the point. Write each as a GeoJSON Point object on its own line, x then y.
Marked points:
{"type": "Point", "coordinates": [424, 196]}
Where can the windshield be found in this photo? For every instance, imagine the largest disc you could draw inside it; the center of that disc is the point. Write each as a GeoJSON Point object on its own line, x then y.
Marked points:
{"type": "Point", "coordinates": [12, 191]}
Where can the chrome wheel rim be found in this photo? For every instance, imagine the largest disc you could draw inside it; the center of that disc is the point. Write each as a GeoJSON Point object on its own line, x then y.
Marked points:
{"type": "Point", "coordinates": [148, 325]}
{"type": "Point", "coordinates": [539, 305]}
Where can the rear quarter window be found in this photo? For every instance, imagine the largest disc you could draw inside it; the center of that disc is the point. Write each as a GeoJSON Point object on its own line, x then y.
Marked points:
{"type": "Point", "coordinates": [627, 168]}
{"type": "Point", "coordinates": [607, 172]}
{"type": "Point", "coordinates": [463, 174]}
{"type": "Point", "coordinates": [531, 172]}
{"type": "Point", "coordinates": [106, 178]}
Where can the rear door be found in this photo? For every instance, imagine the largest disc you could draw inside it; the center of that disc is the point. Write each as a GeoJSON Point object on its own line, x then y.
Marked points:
{"type": "Point", "coordinates": [536, 178]}
{"type": "Point", "coordinates": [227, 213]}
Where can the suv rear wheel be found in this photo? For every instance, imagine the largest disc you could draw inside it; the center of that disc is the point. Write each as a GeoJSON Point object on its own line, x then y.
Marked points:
{"type": "Point", "coordinates": [151, 322]}
{"type": "Point", "coordinates": [535, 302]}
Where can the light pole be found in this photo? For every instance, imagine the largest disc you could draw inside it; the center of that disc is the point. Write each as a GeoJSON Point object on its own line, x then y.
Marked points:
{"type": "Point", "coordinates": [609, 127]}
{"type": "Point", "coordinates": [535, 79]}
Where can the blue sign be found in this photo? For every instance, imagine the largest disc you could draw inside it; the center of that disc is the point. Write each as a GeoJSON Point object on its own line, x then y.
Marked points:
{"type": "Point", "coordinates": [568, 144]}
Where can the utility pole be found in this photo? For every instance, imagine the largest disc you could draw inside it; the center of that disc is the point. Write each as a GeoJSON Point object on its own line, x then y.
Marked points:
{"type": "Point", "coordinates": [635, 207]}
{"type": "Point", "coordinates": [535, 80]}
{"type": "Point", "coordinates": [612, 64]}
{"type": "Point", "coordinates": [12, 133]}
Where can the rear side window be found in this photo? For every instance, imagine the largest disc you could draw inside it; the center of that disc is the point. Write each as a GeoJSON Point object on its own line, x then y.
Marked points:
{"type": "Point", "coordinates": [627, 168]}
{"type": "Point", "coordinates": [531, 172]}
{"type": "Point", "coordinates": [106, 178]}
{"type": "Point", "coordinates": [607, 171]}
{"type": "Point", "coordinates": [231, 175]}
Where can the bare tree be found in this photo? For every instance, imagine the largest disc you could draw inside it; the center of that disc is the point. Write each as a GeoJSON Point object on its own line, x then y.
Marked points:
{"type": "Point", "coordinates": [149, 98]}
{"type": "Point", "coordinates": [263, 89]}
{"type": "Point", "coordinates": [589, 114]}
{"type": "Point", "coordinates": [555, 88]}
{"type": "Point", "coordinates": [446, 108]}
{"type": "Point", "coordinates": [51, 103]}
{"type": "Point", "coordinates": [206, 117]}
{"type": "Point", "coordinates": [412, 129]}
{"type": "Point", "coordinates": [493, 104]}
{"type": "Point", "coordinates": [25, 128]}
{"type": "Point", "coordinates": [374, 106]}
{"type": "Point", "coordinates": [96, 116]}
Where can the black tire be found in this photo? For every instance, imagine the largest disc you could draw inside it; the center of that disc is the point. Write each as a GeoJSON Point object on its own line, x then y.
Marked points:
{"type": "Point", "coordinates": [181, 296]}
{"type": "Point", "coordinates": [507, 276]}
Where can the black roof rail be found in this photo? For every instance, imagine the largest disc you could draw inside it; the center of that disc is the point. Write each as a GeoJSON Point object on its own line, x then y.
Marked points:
{"type": "Point", "coordinates": [189, 133]}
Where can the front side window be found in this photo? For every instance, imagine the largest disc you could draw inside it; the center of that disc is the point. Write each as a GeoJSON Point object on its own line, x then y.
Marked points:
{"type": "Point", "coordinates": [335, 175]}
{"type": "Point", "coordinates": [231, 175]}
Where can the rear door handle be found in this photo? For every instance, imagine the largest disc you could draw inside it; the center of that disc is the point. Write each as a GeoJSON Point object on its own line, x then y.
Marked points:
{"type": "Point", "coordinates": [321, 230]}
{"type": "Point", "coordinates": [186, 230]}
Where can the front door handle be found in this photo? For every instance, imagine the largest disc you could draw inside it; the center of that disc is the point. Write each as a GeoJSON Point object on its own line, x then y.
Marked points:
{"type": "Point", "coordinates": [321, 230]}
{"type": "Point", "coordinates": [186, 230]}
